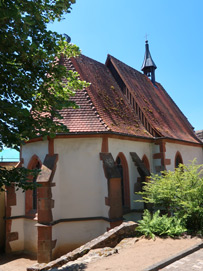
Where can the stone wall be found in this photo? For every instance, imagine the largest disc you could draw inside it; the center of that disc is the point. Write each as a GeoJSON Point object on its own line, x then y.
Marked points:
{"type": "Point", "coordinates": [108, 239]}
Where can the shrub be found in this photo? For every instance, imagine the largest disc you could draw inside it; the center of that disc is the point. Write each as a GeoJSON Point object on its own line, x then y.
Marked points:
{"type": "Point", "coordinates": [179, 193]}
{"type": "Point", "coordinates": [155, 224]}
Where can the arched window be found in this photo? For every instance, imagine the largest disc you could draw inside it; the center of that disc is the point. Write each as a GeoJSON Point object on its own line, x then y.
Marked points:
{"type": "Point", "coordinates": [31, 195]}
{"type": "Point", "coordinates": [123, 169]}
{"type": "Point", "coordinates": [178, 159]}
{"type": "Point", "coordinates": [34, 191]}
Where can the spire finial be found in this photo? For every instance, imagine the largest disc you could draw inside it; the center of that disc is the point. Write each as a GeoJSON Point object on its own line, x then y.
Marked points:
{"type": "Point", "coordinates": [148, 66]}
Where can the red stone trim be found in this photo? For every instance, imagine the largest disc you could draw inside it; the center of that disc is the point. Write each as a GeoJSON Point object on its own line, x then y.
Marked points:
{"type": "Point", "coordinates": [167, 162]}
{"type": "Point", "coordinates": [29, 211]}
{"type": "Point", "coordinates": [161, 155]}
{"type": "Point", "coordinates": [44, 253]}
{"type": "Point", "coordinates": [145, 160]}
{"type": "Point", "coordinates": [114, 196]}
{"type": "Point", "coordinates": [51, 146]}
{"type": "Point", "coordinates": [114, 186]}
{"type": "Point", "coordinates": [107, 201]}
{"type": "Point", "coordinates": [33, 162]}
{"type": "Point", "coordinates": [45, 205]}
{"type": "Point", "coordinates": [10, 200]}
{"type": "Point", "coordinates": [13, 236]}
{"type": "Point", "coordinates": [126, 181]}
{"type": "Point", "coordinates": [157, 155]}
{"type": "Point", "coordinates": [105, 144]}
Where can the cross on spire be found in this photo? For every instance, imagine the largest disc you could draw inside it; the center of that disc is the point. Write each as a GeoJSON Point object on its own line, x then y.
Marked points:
{"type": "Point", "coordinates": [146, 37]}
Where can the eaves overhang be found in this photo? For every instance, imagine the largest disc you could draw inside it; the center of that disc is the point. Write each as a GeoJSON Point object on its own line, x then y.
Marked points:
{"type": "Point", "coordinates": [112, 134]}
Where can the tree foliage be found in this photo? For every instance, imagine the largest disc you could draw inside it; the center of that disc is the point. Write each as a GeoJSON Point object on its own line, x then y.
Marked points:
{"type": "Point", "coordinates": [33, 84]}
{"type": "Point", "coordinates": [20, 177]}
{"type": "Point", "coordinates": [30, 74]}
{"type": "Point", "coordinates": [180, 193]}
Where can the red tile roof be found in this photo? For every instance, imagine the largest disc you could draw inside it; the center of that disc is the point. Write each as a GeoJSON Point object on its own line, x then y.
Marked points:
{"type": "Point", "coordinates": [85, 118]}
{"type": "Point", "coordinates": [147, 111]}
{"type": "Point", "coordinates": [159, 109]}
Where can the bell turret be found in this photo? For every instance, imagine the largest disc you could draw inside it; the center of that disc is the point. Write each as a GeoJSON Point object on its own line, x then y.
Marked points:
{"type": "Point", "coordinates": [148, 66]}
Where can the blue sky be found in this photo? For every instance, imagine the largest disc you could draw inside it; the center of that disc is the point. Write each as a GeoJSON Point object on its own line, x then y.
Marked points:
{"type": "Point", "coordinates": [174, 29]}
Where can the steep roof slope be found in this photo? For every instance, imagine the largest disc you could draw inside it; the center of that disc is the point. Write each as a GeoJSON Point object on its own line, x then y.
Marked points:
{"type": "Point", "coordinates": [102, 100]}
{"type": "Point", "coordinates": [122, 100]}
{"type": "Point", "coordinates": [85, 118]}
{"type": "Point", "coordinates": [157, 106]}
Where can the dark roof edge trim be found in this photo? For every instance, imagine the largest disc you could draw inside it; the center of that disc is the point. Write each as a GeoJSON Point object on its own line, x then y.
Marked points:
{"type": "Point", "coordinates": [105, 133]}
{"type": "Point", "coordinates": [121, 134]}
{"type": "Point", "coordinates": [179, 140]}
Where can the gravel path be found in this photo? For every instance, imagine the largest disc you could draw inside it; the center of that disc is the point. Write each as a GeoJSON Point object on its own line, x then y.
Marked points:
{"type": "Point", "coordinates": [130, 254]}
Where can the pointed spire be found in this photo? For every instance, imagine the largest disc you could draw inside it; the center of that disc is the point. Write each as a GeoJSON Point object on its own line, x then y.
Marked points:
{"type": "Point", "coordinates": [148, 66]}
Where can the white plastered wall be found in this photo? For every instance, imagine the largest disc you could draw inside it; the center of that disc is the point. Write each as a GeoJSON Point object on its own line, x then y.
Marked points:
{"type": "Point", "coordinates": [27, 235]}
{"type": "Point", "coordinates": [19, 208]}
{"type": "Point", "coordinates": [30, 233]}
{"type": "Point", "coordinates": [156, 162]}
{"type": "Point", "coordinates": [127, 146]}
{"type": "Point", "coordinates": [81, 186]}
{"type": "Point", "coordinates": [40, 148]}
{"type": "Point", "coordinates": [80, 192]}
{"type": "Point", "coordinates": [188, 153]}
{"type": "Point", "coordinates": [70, 235]}
{"type": "Point", "coordinates": [17, 225]}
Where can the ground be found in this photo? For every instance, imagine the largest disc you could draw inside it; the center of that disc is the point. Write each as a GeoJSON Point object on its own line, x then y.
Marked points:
{"type": "Point", "coordinates": [18, 262]}
{"type": "Point", "coordinates": [130, 254]}
{"type": "Point", "coordinates": [134, 254]}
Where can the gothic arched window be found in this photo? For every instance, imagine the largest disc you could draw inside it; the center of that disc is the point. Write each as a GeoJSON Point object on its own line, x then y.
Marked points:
{"type": "Point", "coordinates": [123, 169]}
{"type": "Point", "coordinates": [31, 195]}
{"type": "Point", "coordinates": [178, 159]}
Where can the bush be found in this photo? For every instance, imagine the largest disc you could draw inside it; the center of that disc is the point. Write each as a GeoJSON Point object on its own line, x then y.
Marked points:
{"type": "Point", "coordinates": [179, 193]}
{"type": "Point", "coordinates": [155, 224]}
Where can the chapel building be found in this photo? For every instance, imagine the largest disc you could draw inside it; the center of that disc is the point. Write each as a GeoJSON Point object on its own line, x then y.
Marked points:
{"type": "Point", "coordinates": [126, 127]}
